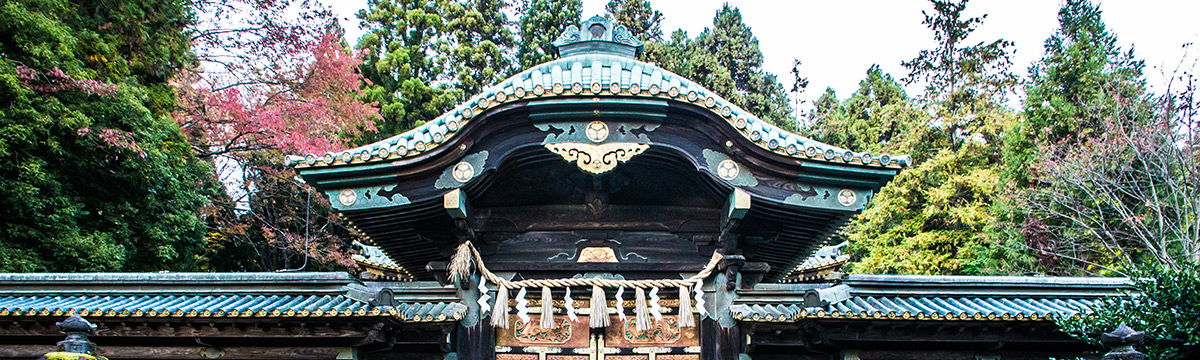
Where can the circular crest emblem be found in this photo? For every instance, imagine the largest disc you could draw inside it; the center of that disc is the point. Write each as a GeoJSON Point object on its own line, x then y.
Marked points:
{"type": "Point", "coordinates": [596, 131]}
{"type": "Point", "coordinates": [846, 197]}
{"type": "Point", "coordinates": [728, 170]}
{"type": "Point", "coordinates": [347, 197]}
{"type": "Point", "coordinates": [463, 171]}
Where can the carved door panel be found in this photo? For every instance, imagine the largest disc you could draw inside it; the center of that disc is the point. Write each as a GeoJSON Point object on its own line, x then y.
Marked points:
{"type": "Point", "coordinates": [665, 340]}
{"type": "Point", "coordinates": [575, 341]}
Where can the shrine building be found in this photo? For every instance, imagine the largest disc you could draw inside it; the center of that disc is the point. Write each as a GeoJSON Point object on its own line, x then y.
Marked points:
{"type": "Point", "coordinates": [591, 207]}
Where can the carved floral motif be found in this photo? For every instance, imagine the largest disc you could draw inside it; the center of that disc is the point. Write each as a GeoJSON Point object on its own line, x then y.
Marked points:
{"type": "Point", "coordinates": [532, 333]}
{"type": "Point", "coordinates": [661, 332]}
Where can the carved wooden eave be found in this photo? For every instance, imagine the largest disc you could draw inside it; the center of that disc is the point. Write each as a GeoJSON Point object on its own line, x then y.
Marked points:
{"type": "Point", "coordinates": [602, 137]}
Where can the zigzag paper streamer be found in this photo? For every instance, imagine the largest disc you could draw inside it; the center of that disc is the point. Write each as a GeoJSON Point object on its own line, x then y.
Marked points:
{"type": "Point", "coordinates": [522, 311]}
{"type": "Point", "coordinates": [570, 306]}
{"type": "Point", "coordinates": [655, 310]}
{"type": "Point", "coordinates": [620, 304]}
{"type": "Point", "coordinates": [700, 298]}
{"type": "Point", "coordinates": [483, 297]}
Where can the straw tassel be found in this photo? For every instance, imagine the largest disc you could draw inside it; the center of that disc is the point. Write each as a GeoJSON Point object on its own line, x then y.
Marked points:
{"type": "Point", "coordinates": [500, 312]}
{"type": "Point", "coordinates": [460, 265]}
{"type": "Point", "coordinates": [642, 319]}
{"type": "Point", "coordinates": [547, 309]}
{"type": "Point", "coordinates": [685, 308]}
{"type": "Point", "coordinates": [599, 313]}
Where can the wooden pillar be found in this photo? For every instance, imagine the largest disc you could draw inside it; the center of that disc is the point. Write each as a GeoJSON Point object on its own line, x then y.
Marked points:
{"type": "Point", "coordinates": [717, 342]}
{"type": "Point", "coordinates": [474, 337]}
{"type": "Point", "coordinates": [720, 336]}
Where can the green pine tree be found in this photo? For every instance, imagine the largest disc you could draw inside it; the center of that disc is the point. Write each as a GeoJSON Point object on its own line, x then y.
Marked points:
{"type": "Point", "coordinates": [542, 22]}
{"type": "Point", "coordinates": [935, 217]}
{"type": "Point", "coordinates": [643, 21]}
{"type": "Point", "coordinates": [879, 117]}
{"type": "Point", "coordinates": [1082, 64]}
{"type": "Point", "coordinates": [726, 59]}
{"type": "Point", "coordinates": [423, 57]}
{"type": "Point", "coordinates": [481, 51]}
{"type": "Point", "coordinates": [1077, 85]}
{"type": "Point", "coordinates": [736, 49]}
{"type": "Point", "coordinates": [400, 68]}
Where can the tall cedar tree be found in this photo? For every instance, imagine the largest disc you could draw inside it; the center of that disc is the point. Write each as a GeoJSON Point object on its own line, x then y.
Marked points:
{"type": "Point", "coordinates": [542, 22]}
{"type": "Point", "coordinates": [725, 59]}
{"type": "Point", "coordinates": [93, 175]}
{"type": "Point", "coordinates": [643, 21]}
{"type": "Point", "coordinates": [1081, 63]}
{"type": "Point", "coordinates": [423, 57]}
{"type": "Point", "coordinates": [935, 216]}
{"type": "Point", "coordinates": [1073, 90]}
{"type": "Point", "coordinates": [401, 67]}
{"type": "Point", "coordinates": [879, 117]}
{"type": "Point", "coordinates": [480, 49]}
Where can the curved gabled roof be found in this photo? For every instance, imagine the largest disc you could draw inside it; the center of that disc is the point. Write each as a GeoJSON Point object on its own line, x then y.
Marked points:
{"type": "Point", "coordinates": [596, 74]}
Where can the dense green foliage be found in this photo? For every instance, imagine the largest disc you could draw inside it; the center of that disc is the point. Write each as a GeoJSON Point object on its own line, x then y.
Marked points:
{"type": "Point", "coordinates": [724, 58]}
{"type": "Point", "coordinates": [93, 175]}
{"type": "Point", "coordinates": [402, 68]}
{"type": "Point", "coordinates": [541, 23]}
{"type": "Point", "coordinates": [879, 117]}
{"type": "Point", "coordinates": [935, 216]}
{"type": "Point", "coordinates": [638, 16]}
{"type": "Point", "coordinates": [1164, 303]}
{"type": "Point", "coordinates": [1072, 95]}
{"type": "Point", "coordinates": [480, 44]}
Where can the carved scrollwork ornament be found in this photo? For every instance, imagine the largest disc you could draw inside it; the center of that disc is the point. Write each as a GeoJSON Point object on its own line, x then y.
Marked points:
{"type": "Point", "coordinates": [599, 158]}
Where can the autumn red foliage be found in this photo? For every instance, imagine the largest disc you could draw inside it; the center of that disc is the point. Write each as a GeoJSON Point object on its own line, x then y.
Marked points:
{"type": "Point", "coordinates": [273, 78]}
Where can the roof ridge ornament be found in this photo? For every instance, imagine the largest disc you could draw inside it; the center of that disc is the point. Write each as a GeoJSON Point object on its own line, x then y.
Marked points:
{"type": "Point", "coordinates": [597, 35]}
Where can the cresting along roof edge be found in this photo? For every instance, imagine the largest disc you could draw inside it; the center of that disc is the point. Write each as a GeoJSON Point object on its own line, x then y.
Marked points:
{"type": "Point", "coordinates": [594, 74]}
{"type": "Point", "coordinates": [210, 295]}
{"type": "Point", "coordinates": [908, 297]}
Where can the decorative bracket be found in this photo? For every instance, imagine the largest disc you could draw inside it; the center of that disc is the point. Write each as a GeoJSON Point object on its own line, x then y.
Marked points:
{"type": "Point", "coordinates": [456, 205]}
{"type": "Point", "coordinates": [736, 208]}
{"type": "Point", "coordinates": [598, 158]}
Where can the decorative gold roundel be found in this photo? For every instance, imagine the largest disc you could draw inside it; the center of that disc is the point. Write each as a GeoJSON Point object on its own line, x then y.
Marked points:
{"type": "Point", "coordinates": [347, 197]}
{"type": "Point", "coordinates": [463, 171]}
{"type": "Point", "coordinates": [596, 131]}
{"type": "Point", "coordinates": [846, 197]}
{"type": "Point", "coordinates": [728, 170]}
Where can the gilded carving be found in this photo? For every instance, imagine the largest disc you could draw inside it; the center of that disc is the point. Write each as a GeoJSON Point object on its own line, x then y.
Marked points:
{"type": "Point", "coordinates": [665, 331]}
{"type": "Point", "coordinates": [597, 254]}
{"type": "Point", "coordinates": [598, 158]}
{"type": "Point", "coordinates": [533, 334]}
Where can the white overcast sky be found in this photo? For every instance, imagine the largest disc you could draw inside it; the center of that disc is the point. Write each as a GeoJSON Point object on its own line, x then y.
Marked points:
{"type": "Point", "coordinates": [839, 40]}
